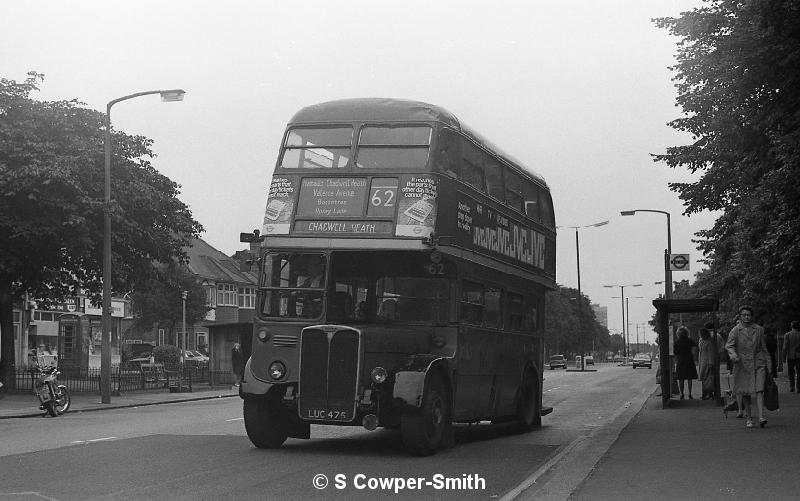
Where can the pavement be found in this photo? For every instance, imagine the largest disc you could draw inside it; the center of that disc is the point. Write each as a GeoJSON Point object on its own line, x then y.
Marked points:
{"type": "Point", "coordinates": [25, 404]}
{"type": "Point", "coordinates": [687, 451]}
{"type": "Point", "coordinates": [690, 450]}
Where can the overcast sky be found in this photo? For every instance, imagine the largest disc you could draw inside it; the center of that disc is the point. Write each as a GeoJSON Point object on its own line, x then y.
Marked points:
{"type": "Point", "coordinates": [577, 90]}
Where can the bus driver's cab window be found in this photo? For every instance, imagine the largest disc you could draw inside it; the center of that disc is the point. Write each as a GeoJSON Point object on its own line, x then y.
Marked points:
{"type": "Point", "coordinates": [309, 272]}
{"type": "Point", "coordinates": [294, 285]}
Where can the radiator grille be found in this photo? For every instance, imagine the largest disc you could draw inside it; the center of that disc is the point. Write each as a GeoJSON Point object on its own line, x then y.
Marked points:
{"type": "Point", "coordinates": [329, 358]}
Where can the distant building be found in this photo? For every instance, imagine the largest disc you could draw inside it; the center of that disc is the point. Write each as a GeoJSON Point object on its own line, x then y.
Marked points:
{"type": "Point", "coordinates": [70, 331]}
{"type": "Point", "coordinates": [231, 295]}
{"type": "Point", "coordinates": [601, 314]}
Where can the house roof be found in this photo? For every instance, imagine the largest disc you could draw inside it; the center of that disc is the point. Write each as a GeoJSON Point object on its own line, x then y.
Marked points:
{"type": "Point", "coordinates": [210, 264]}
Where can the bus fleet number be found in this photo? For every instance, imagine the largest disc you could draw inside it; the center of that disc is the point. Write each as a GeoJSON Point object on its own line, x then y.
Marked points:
{"type": "Point", "coordinates": [436, 269]}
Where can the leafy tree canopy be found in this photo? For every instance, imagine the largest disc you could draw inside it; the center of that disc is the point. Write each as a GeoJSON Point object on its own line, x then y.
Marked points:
{"type": "Point", "coordinates": [737, 73]}
{"type": "Point", "coordinates": [52, 208]}
{"type": "Point", "coordinates": [160, 301]}
{"type": "Point", "coordinates": [569, 324]}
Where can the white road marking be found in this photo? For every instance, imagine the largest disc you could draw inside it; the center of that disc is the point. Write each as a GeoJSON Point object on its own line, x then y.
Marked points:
{"type": "Point", "coordinates": [93, 440]}
{"type": "Point", "coordinates": [234, 419]}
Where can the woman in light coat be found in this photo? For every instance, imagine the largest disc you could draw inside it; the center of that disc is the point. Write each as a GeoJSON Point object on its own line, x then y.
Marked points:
{"type": "Point", "coordinates": [750, 359]}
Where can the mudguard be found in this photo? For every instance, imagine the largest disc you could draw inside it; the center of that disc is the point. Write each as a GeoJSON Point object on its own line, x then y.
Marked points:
{"type": "Point", "coordinates": [409, 379]}
{"type": "Point", "coordinates": [251, 387]}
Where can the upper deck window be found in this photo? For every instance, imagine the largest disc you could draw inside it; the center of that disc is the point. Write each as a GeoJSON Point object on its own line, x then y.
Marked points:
{"type": "Point", "coordinates": [494, 179]}
{"type": "Point", "coordinates": [317, 148]}
{"type": "Point", "coordinates": [472, 166]}
{"type": "Point", "coordinates": [514, 196]}
{"type": "Point", "coordinates": [393, 147]}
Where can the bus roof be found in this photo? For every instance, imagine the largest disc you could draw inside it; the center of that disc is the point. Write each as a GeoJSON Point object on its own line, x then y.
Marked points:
{"type": "Point", "coordinates": [373, 109]}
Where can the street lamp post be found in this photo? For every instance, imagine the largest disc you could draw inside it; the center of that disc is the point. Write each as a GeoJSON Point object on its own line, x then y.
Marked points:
{"type": "Point", "coordinates": [622, 296]}
{"type": "Point", "coordinates": [105, 352]}
{"type": "Point", "coordinates": [578, 261]}
{"type": "Point", "coordinates": [182, 343]}
{"type": "Point", "coordinates": [667, 271]}
{"type": "Point", "coordinates": [628, 322]}
{"type": "Point", "coordinates": [628, 316]}
{"type": "Point", "coordinates": [644, 336]}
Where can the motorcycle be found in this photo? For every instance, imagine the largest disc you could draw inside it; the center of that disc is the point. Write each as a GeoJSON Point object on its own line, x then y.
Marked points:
{"type": "Point", "coordinates": [54, 397]}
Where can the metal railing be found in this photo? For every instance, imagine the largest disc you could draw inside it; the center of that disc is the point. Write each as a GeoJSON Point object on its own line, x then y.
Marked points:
{"type": "Point", "coordinates": [130, 378]}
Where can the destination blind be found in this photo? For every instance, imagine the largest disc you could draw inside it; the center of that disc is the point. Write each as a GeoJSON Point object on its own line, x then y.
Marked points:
{"type": "Point", "coordinates": [345, 206]}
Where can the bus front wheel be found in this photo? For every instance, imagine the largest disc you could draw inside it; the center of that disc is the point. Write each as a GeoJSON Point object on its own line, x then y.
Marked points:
{"type": "Point", "coordinates": [424, 429]}
{"type": "Point", "coordinates": [528, 408]}
{"type": "Point", "coordinates": [263, 424]}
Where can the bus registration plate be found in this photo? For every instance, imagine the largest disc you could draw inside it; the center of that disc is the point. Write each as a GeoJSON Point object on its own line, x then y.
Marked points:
{"type": "Point", "coordinates": [328, 414]}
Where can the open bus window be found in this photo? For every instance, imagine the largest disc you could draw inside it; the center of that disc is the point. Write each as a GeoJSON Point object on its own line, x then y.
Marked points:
{"type": "Point", "coordinates": [317, 148]}
{"type": "Point", "coordinates": [393, 147]}
{"type": "Point", "coordinates": [412, 299]}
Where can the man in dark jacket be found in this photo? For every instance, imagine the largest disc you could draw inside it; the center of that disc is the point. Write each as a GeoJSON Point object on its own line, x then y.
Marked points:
{"type": "Point", "coordinates": [237, 363]}
{"type": "Point", "coordinates": [791, 353]}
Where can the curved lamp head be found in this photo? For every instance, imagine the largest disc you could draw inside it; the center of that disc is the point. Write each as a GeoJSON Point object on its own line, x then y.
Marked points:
{"type": "Point", "coordinates": [172, 95]}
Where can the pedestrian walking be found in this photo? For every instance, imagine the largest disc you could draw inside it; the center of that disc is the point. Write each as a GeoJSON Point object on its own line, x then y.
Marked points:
{"type": "Point", "coordinates": [237, 363]}
{"type": "Point", "coordinates": [750, 358]}
{"type": "Point", "coordinates": [791, 354]}
{"type": "Point", "coordinates": [685, 369]}
{"type": "Point", "coordinates": [709, 358]}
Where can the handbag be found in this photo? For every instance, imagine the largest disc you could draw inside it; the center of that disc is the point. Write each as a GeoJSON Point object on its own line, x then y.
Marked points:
{"type": "Point", "coordinates": [770, 393]}
{"type": "Point", "coordinates": [708, 384]}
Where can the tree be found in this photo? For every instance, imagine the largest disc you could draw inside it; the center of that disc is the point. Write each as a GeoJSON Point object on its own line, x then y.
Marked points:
{"type": "Point", "coordinates": [52, 209]}
{"type": "Point", "coordinates": [738, 82]}
{"type": "Point", "coordinates": [566, 327]}
{"type": "Point", "coordinates": [159, 300]}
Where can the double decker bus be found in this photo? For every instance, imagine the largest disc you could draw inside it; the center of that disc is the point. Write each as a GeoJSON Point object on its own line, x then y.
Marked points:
{"type": "Point", "coordinates": [404, 262]}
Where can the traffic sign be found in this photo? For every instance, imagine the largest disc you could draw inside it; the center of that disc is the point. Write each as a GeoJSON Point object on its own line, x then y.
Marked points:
{"type": "Point", "coordinates": [679, 262]}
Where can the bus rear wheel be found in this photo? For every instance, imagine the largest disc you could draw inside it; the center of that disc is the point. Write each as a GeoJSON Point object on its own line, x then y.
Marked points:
{"type": "Point", "coordinates": [424, 429]}
{"type": "Point", "coordinates": [528, 407]}
{"type": "Point", "coordinates": [263, 424]}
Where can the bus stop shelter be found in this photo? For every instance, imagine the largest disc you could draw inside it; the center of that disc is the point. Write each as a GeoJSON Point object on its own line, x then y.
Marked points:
{"type": "Point", "coordinates": [665, 307]}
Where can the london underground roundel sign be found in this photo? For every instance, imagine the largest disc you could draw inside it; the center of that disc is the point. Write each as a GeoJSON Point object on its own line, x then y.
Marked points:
{"type": "Point", "coordinates": [679, 262]}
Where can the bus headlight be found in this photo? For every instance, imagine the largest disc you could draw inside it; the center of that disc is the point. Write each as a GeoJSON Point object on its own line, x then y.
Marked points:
{"type": "Point", "coordinates": [263, 335]}
{"type": "Point", "coordinates": [277, 370]}
{"type": "Point", "coordinates": [378, 375]}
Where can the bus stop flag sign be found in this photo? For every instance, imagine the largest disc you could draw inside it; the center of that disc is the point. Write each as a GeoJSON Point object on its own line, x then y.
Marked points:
{"type": "Point", "coordinates": [679, 262]}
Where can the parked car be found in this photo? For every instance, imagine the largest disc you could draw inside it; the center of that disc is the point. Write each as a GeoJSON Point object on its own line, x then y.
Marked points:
{"type": "Point", "coordinates": [642, 360]}
{"type": "Point", "coordinates": [194, 358]}
{"type": "Point", "coordinates": [589, 360]}
{"type": "Point", "coordinates": [142, 358]}
{"type": "Point", "coordinates": [199, 356]}
{"type": "Point", "coordinates": [558, 361]}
